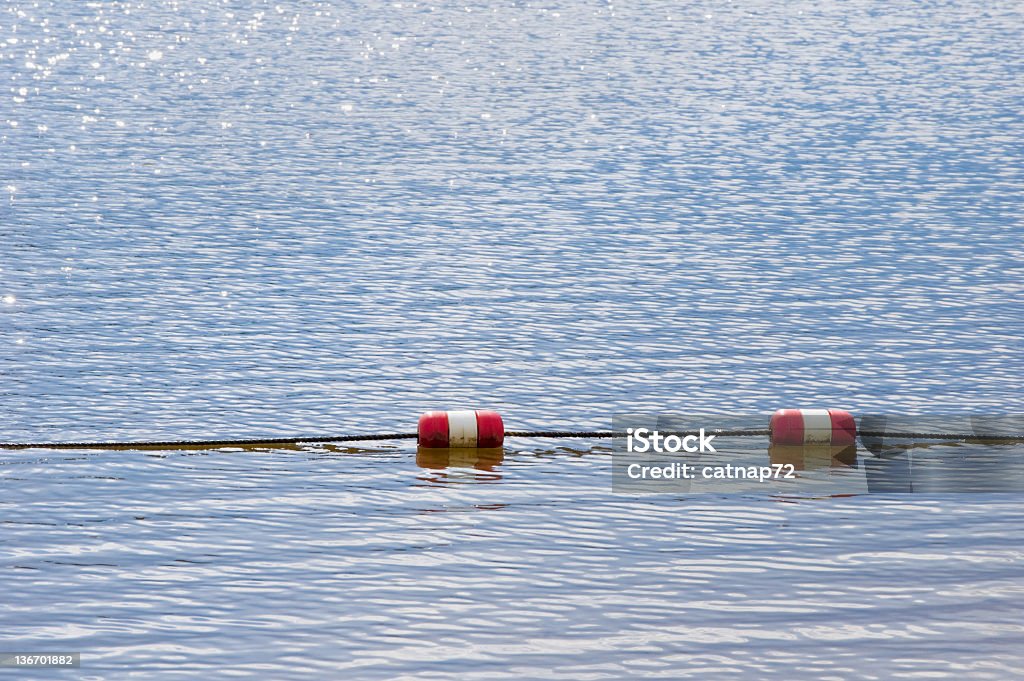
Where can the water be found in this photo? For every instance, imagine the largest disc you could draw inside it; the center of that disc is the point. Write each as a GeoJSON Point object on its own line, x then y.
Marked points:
{"type": "Point", "coordinates": [259, 219]}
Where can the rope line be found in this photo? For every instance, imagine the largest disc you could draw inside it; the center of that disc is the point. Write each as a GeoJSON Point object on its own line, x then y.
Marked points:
{"type": "Point", "coordinates": [208, 443]}
{"type": "Point", "coordinates": [613, 433]}
{"type": "Point", "coordinates": [964, 437]}
{"type": "Point", "coordinates": [563, 434]}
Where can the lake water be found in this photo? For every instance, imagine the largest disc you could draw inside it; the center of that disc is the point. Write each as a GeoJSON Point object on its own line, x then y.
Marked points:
{"type": "Point", "coordinates": [228, 219]}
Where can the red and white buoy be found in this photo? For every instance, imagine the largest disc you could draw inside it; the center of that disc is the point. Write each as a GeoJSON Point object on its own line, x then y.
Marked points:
{"type": "Point", "coordinates": [812, 426]}
{"type": "Point", "coordinates": [462, 428]}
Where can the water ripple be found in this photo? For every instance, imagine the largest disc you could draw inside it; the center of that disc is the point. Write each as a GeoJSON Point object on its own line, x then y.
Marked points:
{"type": "Point", "coordinates": [262, 220]}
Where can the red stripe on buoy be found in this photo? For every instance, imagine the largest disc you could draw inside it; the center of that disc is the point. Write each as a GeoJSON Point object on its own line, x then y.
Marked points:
{"type": "Point", "coordinates": [433, 429]}
{"type": "Point", "coordinates": [787, 427]}
{"type": "Point", "coordinates": [844, 428]}
{"type": "Point", "coordinates": [490, 430]}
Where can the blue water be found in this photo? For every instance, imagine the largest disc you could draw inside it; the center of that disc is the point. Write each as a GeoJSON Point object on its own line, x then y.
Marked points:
{"type": "Point", "coordinates": [258, 219]}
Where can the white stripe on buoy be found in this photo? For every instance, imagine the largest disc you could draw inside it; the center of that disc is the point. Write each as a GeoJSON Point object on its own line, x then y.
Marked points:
{"type": "Point", "coordinates": [462, 428]}
{"type": "Point", "coordinates": [817, 426]}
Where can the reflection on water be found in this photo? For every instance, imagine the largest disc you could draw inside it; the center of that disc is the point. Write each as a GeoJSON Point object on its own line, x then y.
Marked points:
{"type": "Point", "coordinates": [450, 466]}
{"type": "Point", "coordinates": [484, 459]}
{"type": "Point", "coordinates": [915, 467]}
{"type": "Point", "coordinates": [811, 457]}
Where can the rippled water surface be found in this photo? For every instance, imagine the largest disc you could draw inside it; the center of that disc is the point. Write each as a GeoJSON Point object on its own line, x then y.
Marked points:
{"type": "Point", "coordinates": [224, 219]}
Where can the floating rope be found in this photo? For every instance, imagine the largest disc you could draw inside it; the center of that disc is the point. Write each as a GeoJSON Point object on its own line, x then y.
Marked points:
{"type": "Point", "coordinates": [614, 433]}
{"type": "Point", "coordinates": [963, 437]}
{"type": "Point", "coordinates": [156, 444]}
{"type": "Point", "coordinates": [554, 434]}
{"type": "Point", "coordinates": [170, 444]}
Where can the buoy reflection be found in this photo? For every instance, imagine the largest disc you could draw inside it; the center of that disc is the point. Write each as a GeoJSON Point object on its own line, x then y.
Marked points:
{"type": "Point", "coordinates": [814, 457]}
{"type": "Point", "coordinates": [482, 459]}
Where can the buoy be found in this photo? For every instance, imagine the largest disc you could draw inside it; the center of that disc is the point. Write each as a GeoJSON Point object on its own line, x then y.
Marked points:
{"type": "Point", "coordinates": [463, 428]}
{"type": "Point", "coordinates": [812, 426]}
